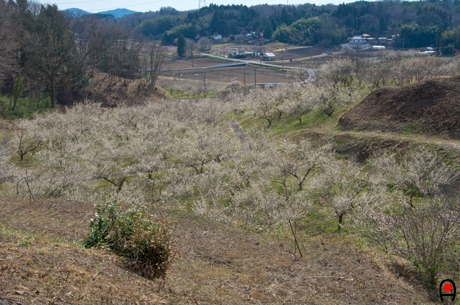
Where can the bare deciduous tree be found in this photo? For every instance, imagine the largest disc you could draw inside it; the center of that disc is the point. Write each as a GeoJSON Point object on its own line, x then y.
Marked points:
{"type": "Point", "coordinates": [50, 52]}
{"type": "Point", "coordinates": [26, 143]}
{"type": "Point", "coordinates": [425, 234]}
{"type": "Point", "coordinates": [205, 44]}
{"type": "Point", "coordinates": [334, 96]}
{"type": "Point", "coordinates": [299, 100]}
{"type": "Point", "coordinates": [338, 71]}
{"type": "Point", "coordinates": [419, 216]}
{"type": "Point", "coordinates": [343, 186]}
{"type": "Point", "coordinates": [156, 55]}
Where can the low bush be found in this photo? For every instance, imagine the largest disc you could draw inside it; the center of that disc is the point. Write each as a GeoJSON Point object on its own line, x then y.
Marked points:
{"type": "Point", "coordinates": [134, 235]}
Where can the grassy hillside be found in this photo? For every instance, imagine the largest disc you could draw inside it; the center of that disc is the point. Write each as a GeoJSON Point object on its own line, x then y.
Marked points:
{"type": "Point", "coordinates": [43, 260]}
{"type": "Point", "coordinates": [244, 231]}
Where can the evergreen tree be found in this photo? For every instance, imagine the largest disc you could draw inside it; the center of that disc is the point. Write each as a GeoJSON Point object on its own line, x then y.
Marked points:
{"type": "Point", "coordinates": [268, 29]}
{"type": "Point", "coordinates": [181, 46]}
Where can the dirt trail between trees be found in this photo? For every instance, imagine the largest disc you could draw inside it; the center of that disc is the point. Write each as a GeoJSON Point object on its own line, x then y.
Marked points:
{"type": "Point", "coordinates": [5, 144]}
{"type": "Point", "coordinates": [364, 144]}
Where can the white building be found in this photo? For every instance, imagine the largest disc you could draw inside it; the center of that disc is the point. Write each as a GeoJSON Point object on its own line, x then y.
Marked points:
{"type": "Point", "coordinates": [269, 56]}
{"type": "Point", "coordinates": [358, 42]}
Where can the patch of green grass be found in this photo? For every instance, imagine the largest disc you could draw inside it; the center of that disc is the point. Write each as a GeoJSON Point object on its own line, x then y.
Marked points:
{"type": "Point", "coordinates": [410, 129]}
{"type": "Point", "coordinates": [176, 93]}
{"type": "Point", "coordinates": [319, 221]}
{"type": "Point", "coordinates": [25, 108]}
{"type": "Point", "coordinates": [128, 162]}
{"type": "Point", "coordinates": [289, 125]}
{"type": "Point", "coordinates": [252, 122]}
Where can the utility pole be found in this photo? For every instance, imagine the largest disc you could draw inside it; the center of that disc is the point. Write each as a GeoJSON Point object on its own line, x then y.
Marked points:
{"type": "Point", "coordinates": [255, 77]}
{"type": "Point", "coordinates": [179, 75]}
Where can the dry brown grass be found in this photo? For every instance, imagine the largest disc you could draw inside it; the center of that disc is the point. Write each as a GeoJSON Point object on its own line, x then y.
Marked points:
{"type": "Point", "coordinates": [38, 270]}
{"type": "Point", "coordinates": [429, 108]}
{"type": "Point", "coordinates": [42, 261]}
{"type": "Point", "coordinates": [6, 127]}
{"type": "Point", "coordinates": [111, 90]}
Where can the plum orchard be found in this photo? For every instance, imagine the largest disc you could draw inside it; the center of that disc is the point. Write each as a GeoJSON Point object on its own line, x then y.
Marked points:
{"type": "Point", "coordinates": [184, 154]}
{"type": "Point", "coordinates": [171, 152]}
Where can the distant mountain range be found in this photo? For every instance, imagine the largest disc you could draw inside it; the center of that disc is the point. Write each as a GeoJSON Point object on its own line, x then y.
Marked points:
{"type": "Point", "coordinates": [75, 12]}
{"type": "Point", "coordinates": [117, 13]}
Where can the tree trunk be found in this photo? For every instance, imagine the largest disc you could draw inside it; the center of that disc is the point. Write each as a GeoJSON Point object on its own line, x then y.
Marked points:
{"type": "Point", "coordinates": [52, 94]}
{"type": "Point", "coordinates": [339, 226]}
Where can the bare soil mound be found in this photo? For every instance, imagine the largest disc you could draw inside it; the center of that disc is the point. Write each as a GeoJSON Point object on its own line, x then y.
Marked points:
{"type": "Point", "coordinates": [111, 90]}
{"type": "Point", "coordinates": [431, 108]}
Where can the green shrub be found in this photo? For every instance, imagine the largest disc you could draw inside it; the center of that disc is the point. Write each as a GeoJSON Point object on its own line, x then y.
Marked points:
{"type": "Point", "coordinates": [134, 235]}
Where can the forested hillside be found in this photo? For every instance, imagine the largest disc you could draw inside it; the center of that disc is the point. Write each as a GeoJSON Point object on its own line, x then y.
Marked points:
{"type": "Point", "coordinates": [51, 57]}
{"type": "Point", "coordinates": [420, 24]}
{"type": "Point", "coordinates": [48, 57]}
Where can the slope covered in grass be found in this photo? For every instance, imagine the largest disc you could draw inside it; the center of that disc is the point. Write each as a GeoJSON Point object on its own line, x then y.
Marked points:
{"type": "Point", "coordinates": [42, 261]}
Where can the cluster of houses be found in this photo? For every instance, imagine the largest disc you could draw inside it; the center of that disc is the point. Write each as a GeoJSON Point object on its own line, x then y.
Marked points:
{"type": "Point", "coordinates": [241, 53]}
{"type": "Point", "coordinates": [366, 42]}
{"type": "Point", "coordinates": [250, 38]}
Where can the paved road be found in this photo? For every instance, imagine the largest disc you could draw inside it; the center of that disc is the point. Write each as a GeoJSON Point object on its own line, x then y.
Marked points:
{"type": "Point", "coordinates": [311, 72]}
{"type": "Point", "coordinates": [252, 62]}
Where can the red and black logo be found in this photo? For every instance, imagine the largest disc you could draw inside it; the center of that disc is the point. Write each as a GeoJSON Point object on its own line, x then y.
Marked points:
{"type": "Point", "coordinates": [447, 289]}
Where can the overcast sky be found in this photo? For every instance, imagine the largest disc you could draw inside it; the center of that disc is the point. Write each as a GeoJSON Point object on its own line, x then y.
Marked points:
{"type": "Point", "coordinates": [94, 6]}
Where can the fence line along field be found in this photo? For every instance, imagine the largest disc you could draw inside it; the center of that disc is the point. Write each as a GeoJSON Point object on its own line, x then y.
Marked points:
{"type": "Point", "coordinates": [221, 71]}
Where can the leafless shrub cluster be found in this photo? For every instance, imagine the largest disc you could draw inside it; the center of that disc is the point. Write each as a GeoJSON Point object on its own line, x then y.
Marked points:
{"type": "Point", "coordinates": [235, 87]}
{"type": "Point", "coordinates": [418, 216]}
{"type": "Point", "coordinates": [372, 73]}
{"type": "Point", "coordinates": [293, 100]}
